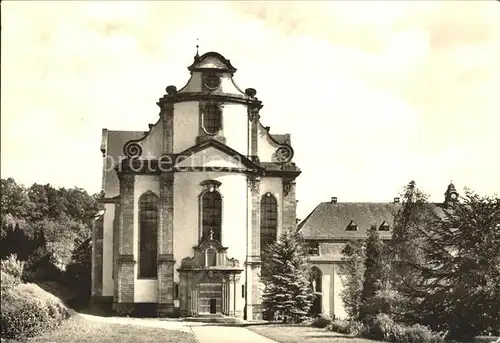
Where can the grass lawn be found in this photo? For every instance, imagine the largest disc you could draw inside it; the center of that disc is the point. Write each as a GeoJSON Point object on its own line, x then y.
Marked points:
{"type": "Point", "coordinates": [79, 330]}
{"type": "Point", "coordinates": [303, 334]}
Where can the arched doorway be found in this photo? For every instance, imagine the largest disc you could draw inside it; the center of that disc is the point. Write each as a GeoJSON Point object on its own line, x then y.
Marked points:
{"type": "Point", "coordinates": [210, 295]}
{"type": "Point", "coordinates": [208, 281]}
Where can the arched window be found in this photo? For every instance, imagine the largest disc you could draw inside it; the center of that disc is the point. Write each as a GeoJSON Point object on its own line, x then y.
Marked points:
{"type": "Point", "coordinates": [268, 220]}
{"type": "Point", "coordinates": [148, 234]}
{"type": "Point", "coordinates": [212, 118]}
{"type": "Point", "coordinates": [316, 279]}
{"type": "Point", "coordinates": [316, 287]}
{"type": "Point", "coordinates": [211, 215]}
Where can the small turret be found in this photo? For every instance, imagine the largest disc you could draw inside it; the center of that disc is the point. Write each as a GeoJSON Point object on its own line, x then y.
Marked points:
{"type": "Point", "coordinates": [451, 194]}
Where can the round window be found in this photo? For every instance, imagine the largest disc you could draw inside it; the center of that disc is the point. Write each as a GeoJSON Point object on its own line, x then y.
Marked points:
{"type": "Point", "coordinates": [284, 154]}
{"type": "Point", "coordinates": [212, 82]}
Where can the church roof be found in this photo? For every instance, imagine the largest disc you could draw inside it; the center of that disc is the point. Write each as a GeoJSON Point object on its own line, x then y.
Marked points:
{"type": "Point", "coordinates": [280, 138]}
{"type": "Point", "coordinates": [113, 141]}
{"type": "Point", "coordinates": [211, 60]}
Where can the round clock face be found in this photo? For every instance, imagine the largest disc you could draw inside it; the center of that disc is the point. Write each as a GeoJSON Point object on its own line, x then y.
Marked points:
{"type": "Point", "coordinates": [453, 196]}
{"type": "Point", "coordinates": [212, 82]}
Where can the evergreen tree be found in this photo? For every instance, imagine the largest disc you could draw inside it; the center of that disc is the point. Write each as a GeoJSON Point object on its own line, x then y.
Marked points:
{"type": "Point", "coordinates": [285, 274]}
{"type": "Point", "coordinates": [373, 276]}
{"type": "Point", "coordinates": [461, 284]}
{"type": "Point", "coordinates": [406, 251]}
{"type": "Point", "coordinates": [353, 269]}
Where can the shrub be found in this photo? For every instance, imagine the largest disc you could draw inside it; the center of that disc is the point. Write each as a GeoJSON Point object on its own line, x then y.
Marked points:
{"type": "Point", "coordinates": [382, 327]}
{"type": "Point", "coordinates": [11, 265]}
{"type": "Point", "coordinates": [340, 326]}
{"type": "Point", "coordinates": [322, 321]}
{"type": "Point", "coordinates": [348, 327]}
{"type": "Point", "coordinates": [8, 281]}
{"type": "Point", "coordinates": [356, 328]}
{"type": "Point", "coordinates": [27, 310]}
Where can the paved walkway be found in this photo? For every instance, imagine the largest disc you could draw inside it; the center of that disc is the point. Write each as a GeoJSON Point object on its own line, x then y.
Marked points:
{"type": "Point", "coordinates": [203, 332]}
{"type": "Point", "coordinates": [227, 334]}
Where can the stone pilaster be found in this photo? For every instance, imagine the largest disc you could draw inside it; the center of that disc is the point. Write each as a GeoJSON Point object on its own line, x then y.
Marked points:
{"type": "Point", "coordinates": [254, 201]}
{"type": "Point", "coordinates": [116, 248]}
{"type": "Point", "coordinates": [166, 246]}
{"type": "Point", "coordinates": [168, 127]}
{"type": "Point", "coordinates": [256, 293]}
{"type": "Point", "coordinates": [126, 259]}
{"type": "Point", "coordinates": [183, 294]}
{"type": "Point", "coordinates": [232, 295]}
{"type": "Point", "coordinates": [253, 117]}
{"type": "Point", "coordinates": [253, 260]}
{"type": "Point", "coordinates": [289, 205]}
{"type": "Point", "coordinates": [126, 280]}
{"type": "Point", "coordinates": [225, 297]}
{"type": "Point", "coordinates": [97, 258]}
{"type": "Point", "coordinates": [237, 294]}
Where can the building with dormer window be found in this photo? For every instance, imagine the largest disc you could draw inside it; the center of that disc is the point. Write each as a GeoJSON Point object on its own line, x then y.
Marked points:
{"type": "Point", "coordinates": [190, 203]}
{"type": "Point", "coordinates": [329, 227]}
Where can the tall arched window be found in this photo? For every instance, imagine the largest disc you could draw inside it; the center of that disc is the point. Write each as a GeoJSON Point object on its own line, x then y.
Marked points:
{"type": "Point", "coordinates": [268, 220]}
{"type": "Point", "coordinates": [316, 279]}
{"type": "Point", "coordinates": [148, 234]}
{"type": "Point", "coordinates": [212, 118]}
{"type": "Point", "coordinates": [211, 215]}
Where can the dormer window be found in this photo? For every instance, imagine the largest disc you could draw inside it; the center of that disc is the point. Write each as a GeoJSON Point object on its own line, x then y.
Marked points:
{"type": "Point", "coordinates": [384, 226]}
{"type": "Point", "coordinates": [212, 119]}
{"type": "Point", "coordinates": [352, 226]}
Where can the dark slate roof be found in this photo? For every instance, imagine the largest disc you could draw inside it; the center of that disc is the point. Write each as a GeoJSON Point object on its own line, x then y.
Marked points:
{"type": "Point", "coordinates": [281, 138]}
{"type": "Point", "coordinates": [116, 140]}
{"type": "Point", "coordinates": [112, 145]}
{"type": "Point", "coordinates": [329, 221]}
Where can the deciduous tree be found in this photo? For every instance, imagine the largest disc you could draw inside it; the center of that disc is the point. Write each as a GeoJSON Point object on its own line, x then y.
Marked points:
{"type": "Point", "coordinates": [353, 269]}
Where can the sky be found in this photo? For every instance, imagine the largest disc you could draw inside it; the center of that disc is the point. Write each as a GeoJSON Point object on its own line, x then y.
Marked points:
{"type": "Point", "coordinates": [374, 94]}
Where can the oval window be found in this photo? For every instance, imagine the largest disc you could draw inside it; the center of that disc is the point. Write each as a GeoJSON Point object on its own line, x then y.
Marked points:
{"type": "Point", "coordinates": [212, 82]}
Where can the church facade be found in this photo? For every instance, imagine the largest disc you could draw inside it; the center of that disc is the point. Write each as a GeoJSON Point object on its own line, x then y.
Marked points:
{"type": "Point", "coordinates": [189, 204]}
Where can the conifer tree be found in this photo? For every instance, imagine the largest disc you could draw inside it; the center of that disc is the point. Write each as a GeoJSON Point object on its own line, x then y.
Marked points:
{"type": "Point", "coordinates": [373, 276]}
{"type": "Point", "coordinates": [462, 271]}
{"type": "Point", "coordinates": [406, 251]}
{"type": "Point", "coordinates": [287, 293]}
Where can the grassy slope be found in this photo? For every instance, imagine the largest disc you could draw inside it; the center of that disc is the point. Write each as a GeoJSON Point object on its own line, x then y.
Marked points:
{"type": "Point", "coordinates": [79, 330]}
{"type": "Point", "coordinates": [303, 334]}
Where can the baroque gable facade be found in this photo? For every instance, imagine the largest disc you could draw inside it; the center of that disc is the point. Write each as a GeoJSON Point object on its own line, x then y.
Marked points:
{"type": "Point", "coordinates": [190, 203]}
